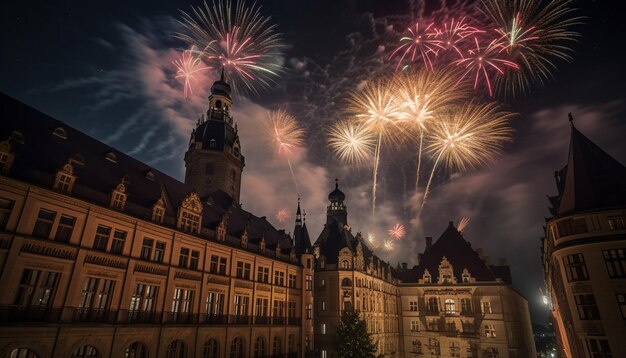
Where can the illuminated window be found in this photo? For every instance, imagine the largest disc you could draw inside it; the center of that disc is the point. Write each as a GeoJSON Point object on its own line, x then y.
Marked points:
{"type": "Point", "coordinates": [616, 223]}
{"type": "Point", "coordinates": [450, 306]}
{"type": "Point", "coordinates": [490, 331]}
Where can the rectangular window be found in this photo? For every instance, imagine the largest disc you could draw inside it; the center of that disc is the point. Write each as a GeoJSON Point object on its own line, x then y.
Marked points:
{"type": "Point", "coordinates": [292, 281]}
{"type": "Point", "coordinates": [194, 260]}
{"type": "Point", "coordinates": [190, 222]}
{"type": "Point", "coordinates": [118, 200]}
{"type": "Point", "coordinates": [279, 278]}
{"type": "Point", "coordinates": [158, 213]}
{"type": "Point", "coordinates": [490, 331]}
{"type": "Point", "coordinates": [159, 252]}
{"type": "Point", "coordinates": [117, 244]}
{"type": "Point", "coordinates": [599, 348]}
{"type": "Point", "coordinates": [262, 307]}
{"type": "Point", "coordinates": [183, 259]}
{"type": "Point", "coordinates": [466, 305]}
{"type": "Point", "coordinates": [323, 331]}
{"type": "Point", "coordinates": [621, 302]}
{"type": "Point", "coordinates": [291, 309]}
{"type": "Point", "coordinates": [182, 302]}
{"type": "Point", "coordinates": [309, 311]}
{"type": "Point", "coordinates": [143, 300]}
{"type": "Point", "coordinates": [105, 295]}
{"type": "Point", "coordinates": [279, 308]}
{"type": "Point", "coordinates": [217, 265]}
{"type": "Point", "coordinates": [6, 207]}
{"type": "Point", "coordinates": [241, 305]}
{"type": "Point", "coordinates": [146, 248]}
{"type": "Point", "coordinates": [576, 268]}
{"type": "Point", "coordinates": [101, 240]}
{"type": "Point", "coordinates": [309, 282]}
{"type": "Point", "coordinates": [415, 326]}
{"type": "Point", "coordinates": [413, 306]}
{"type": "Point", "coordinates": [263, 274]}
{"type": "Point", "coordinates": [43, 225]}
{"type": "Point", "coordinates": [26, 287]}
{"type": "Point", "coordinates": [89, 292]}
{"type": "Point", "coordinates": [486, 307]}
{"type": "Point", "coordinates": [587, 308]}
{"type": "Point", "coordinates": [616, 223]}
{"type": "Point", "coordinates": [572, 227]}
{"type": "Point", "coordinates": [65, 228]}
{"type": "Point", "coordinates": [214, 303]}
{"type": "Point", "coordinates": [615, 261]}
{"type": "Point", "coordinates": [65, 183]}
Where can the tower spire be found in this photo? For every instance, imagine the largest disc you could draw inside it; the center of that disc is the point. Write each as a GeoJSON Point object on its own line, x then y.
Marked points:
{"type": "Point", "coordinates": [222, 76]}
{"type": "Point", "coordinates": [571, 118]}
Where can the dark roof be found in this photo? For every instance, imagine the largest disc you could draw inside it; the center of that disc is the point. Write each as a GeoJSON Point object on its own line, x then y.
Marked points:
{"type": "Point", "coordinates": [301, 239]}
{"type": "Point", "coordinates": [216, 132]}
{"type": "Point", "coordinates": [457, 251]}
{"type": "Point", "coordinates": [336, 195]}
{"type": "Point", "coordinates": [43, 153]}
{"type": "Point", "coordinates": [593, 179]}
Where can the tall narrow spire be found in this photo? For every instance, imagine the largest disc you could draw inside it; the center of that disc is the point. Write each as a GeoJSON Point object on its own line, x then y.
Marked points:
{"type": "Point", "coordinates": [298, 214]}
{"type": "Point", "coordinates": [222, 76]}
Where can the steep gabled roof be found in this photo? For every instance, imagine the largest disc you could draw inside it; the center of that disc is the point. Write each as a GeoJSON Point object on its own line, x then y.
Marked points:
{"type": "Point", "coordinates": [333, 238]}
{"type": "Point", "coordinates": [593, 178]}
{"type": "Point", "coordinates": [43, 153]}
{"type": "Point", "coordinates": [457, 251]}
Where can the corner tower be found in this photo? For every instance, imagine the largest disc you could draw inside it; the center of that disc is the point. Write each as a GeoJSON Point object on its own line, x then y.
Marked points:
{"type": "Point", "coordinates": [214, 160]}
{"type": "Point", "coordinates": [336, 211]}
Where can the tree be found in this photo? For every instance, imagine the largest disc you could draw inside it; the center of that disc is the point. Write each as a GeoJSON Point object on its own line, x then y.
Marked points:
{"type": "Point", "coordinates": [352, 339]}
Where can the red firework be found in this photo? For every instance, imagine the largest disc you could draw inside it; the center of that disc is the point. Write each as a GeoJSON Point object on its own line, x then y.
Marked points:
{"type": "Point", "coordinates": [452, 36]}
{"type": "Point", "coordinates": [187, 66]}
{"type": "Point", "coordinates": [420, 42]}
{"type": "Point", "coordinates": [484, 63]}
{"type": "Point", "coordinates": [396, 232]}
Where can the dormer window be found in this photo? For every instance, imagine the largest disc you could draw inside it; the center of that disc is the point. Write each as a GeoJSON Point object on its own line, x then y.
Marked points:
{"type": "Point", "coordinates": [466, 277]}
{"type": "Point", "coordinates": [118, 196]}
{"type": "Point", "coordinates": [426, 278]}
{"type": "Point", "coordinates": [64, 179]}
{"type": "Point", "coordinates": [6, 157]}
{"type": "Point", "coordinates": [446, 273]}
{"type": "Point", "coordinates": [189, 214]}
{"type": "Point", "coordinates": [212, 143]}
{"type": "Point", "coordinates": [158, 210]}
{"type": "Point", "coordinates": [60, 132]}
{"type": "Point", "coordinates": [110, 156]}
{"type": "Point", "coordinates": [150, 175]}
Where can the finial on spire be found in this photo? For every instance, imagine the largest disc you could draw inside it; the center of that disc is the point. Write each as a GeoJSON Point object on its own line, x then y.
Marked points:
{"type": "Point", "coordinates": [304, 215]}
{"type": "Point", "coordinates": [571, 118]}
{"type": "Point", "coordinates": [222, 77]}
{"type": "Point", "coordinates": [336, 183]}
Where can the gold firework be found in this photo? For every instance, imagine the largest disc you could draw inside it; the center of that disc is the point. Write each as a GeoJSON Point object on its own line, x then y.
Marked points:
{"type": "Point", "coordinates": [353, 143]}
{"type": "Point", "coordinates": [284, 132]}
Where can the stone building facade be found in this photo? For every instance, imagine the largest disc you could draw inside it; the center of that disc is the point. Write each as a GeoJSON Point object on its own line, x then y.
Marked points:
{"type": "Point", "coordinates": [584, 253]}
{"type": "Point", "coordinates": [104, 256]}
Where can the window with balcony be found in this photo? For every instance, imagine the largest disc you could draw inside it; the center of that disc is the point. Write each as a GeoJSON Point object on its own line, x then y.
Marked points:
{"type": "Point", "coordinates": [279, 308]}
{"type": "Point", "coordinates": [241, 305]}
{"type": "Point", "coordinates": [262, 307]}
{"type": "Point", "coordinates": [291, 309]}
{"type": "Point", "coordinates": [587, 308]}
{"type": "Point", "coordinates": [576, 268]}
{"type": "Point", "coordinates": [615, 262]}
{"type": "Point", "coordinates": [142, 302]}
{"type": "Point", "coordinates": [95, 298]}
{"type": "Point", "coordinates": [214, 303]}
{"type": "Point", "coordinates": [36, 288]}
{"type": "Point", "coordinates": [43, 225]}
{"type": "Point", "coordinates": [182, 303]}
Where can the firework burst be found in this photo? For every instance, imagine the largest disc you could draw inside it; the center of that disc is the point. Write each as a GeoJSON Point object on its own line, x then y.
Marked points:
{"type": "Point", "coordinates": [463, 223]}
{"type": "Point", "coordinates": [532, 33]}
{"type": "Point", "coordinates": [238, 39]}
{"type": "Point", "coordinates": [353, 143]}
{"type": "Point", "coordinates": [284, 134]}
{"type": "Point", "coordinates": [396, 232]}
{"type": "Point", "coordinates": [282, 215]}
{"type": "Point", "coordinates": [187, 67]}
{"type": "Point", "coordinates": [421, 41]}
{"type": "Point", "coordinates": [377, 109]}
{"type": "Point", "coordinates": [485, 63]}
{"type": "Point", "coordinates": [468, 137]}
{"type": "Point", "coordinates": [388, 245]}
{"type": "Point", "coordinates": [371, 238]}
{"type": "Point", "coordinates": [453, 35]}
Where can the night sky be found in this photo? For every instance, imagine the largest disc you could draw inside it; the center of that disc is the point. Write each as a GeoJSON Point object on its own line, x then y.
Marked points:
{"type": "Point", "coordinates": [105, 67]}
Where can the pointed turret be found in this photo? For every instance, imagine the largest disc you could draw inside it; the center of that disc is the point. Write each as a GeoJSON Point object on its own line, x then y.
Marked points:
{"type": "Point", "coordinates": [302, 242]}
{"type": "Point", "coordinates": [593, 179]}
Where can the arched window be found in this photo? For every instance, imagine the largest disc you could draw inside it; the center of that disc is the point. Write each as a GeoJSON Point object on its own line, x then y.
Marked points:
{"type": "Point", "coordinates": [259, 348]}
{"type": "Point", "coordinates": [346, 282]}
{"type": "Point", "coordinates": [218, 104]}
{"type": "Point", "coordinates": [84, 352]}
{"type": "Point", "coordinates": [277, 346]}
{"type": "Point", "coordinates": [211, 349]}
{"type": "Point", "coordinates": [345, 264]}
{"type": "Point", "coordinates": [23, 353]}
{"type": "Point", "coordinates": [136, 350]}
{"type": "Point", "coordinates": [177, 349]}
{"type": "Point", "coordinates": [291, 344]}
{"type": "Point", "coordinates": [237, 348]}
{"type": "Point", "coordinates": [450, 306]}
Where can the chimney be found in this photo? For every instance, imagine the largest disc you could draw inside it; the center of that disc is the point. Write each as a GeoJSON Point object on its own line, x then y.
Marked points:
{"type": "Point", "coordinates": [404, 266]}
{"type": "Point", "coordinates": [429, 242]}
{"type": "Point", "coordinates": [504, 262]}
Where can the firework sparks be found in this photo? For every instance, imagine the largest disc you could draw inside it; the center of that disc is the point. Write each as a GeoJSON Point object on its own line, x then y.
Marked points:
{"type": "Point", "coordinates": [353, 143]}
{"type": "Point", "coordinates": [237, 38]}
{"type": "Point", "coordinates": [282, 215]}
{"type": "Point", "coordinates": [453, 35]}
{"type": "Point", "coordinates": [468, 137]}
{"type": "Point", "coordinates": [396, 232]}
{"type": "Point", "coordinates": [284, 134]}
{"type": "Point", "coordinates": [485, 63]}
{"type": "Point", "coordinates": [421, 41]}
{"type": "Point", "coordinates": [187, 66]}
{"type": "Point", "coordinates": [377, 108]}
{"type": "Point", "coordinates": [371, 238]}
{"type": "Point", "coordinates": [388, 245]}
{"type": "Point", "coordinates": [532, 33]}
{"type": "Point", "coordinates": [463, 223]}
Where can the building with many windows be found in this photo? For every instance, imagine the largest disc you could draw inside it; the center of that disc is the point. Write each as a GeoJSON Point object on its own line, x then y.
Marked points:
{"type": "Point", "coordinates": [584, 252]}
{"type": "Point", "coordinates": [102, 255]}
